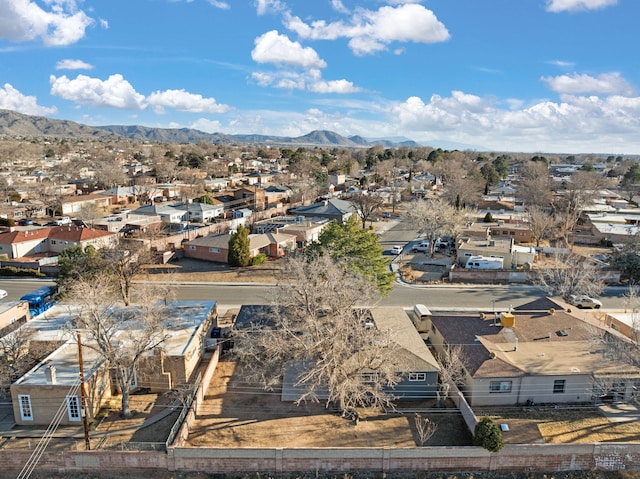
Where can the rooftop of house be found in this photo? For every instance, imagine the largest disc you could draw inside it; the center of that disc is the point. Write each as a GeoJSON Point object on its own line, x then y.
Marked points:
{"type": "Point", "coordinates": [539, 342]}
{"type": "Point", "coordinates": [63, 233]}
{"type": "Point", "coordinates": [185, 320]}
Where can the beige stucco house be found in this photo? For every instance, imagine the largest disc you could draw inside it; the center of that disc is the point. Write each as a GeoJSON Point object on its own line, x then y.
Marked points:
{"type": "Point", "coordinates": [53, 384]}
{"type": "Point", "coordinates": [531, 355]}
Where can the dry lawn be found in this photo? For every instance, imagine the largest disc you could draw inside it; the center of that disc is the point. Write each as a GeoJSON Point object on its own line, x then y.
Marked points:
{"type": "Point", "coordinates": [563, 425]}
{"type": "Point", "coordinates": [238, 415]}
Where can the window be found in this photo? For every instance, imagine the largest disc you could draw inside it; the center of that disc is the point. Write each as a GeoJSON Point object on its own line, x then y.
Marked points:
{"type": "Point", "coordinates": [73, 408]}
{"type": "Point", "coordinates": [500, 387]}
{"type": "Point", "coordinates": [558, 386]}
{"type": "Point", "coordinates": [417, 376]}
{"type": "Point", "coordinates": [192, 247]}
{"type": "Point", "coordinates": [214, 250]}
{"type": "Point", "coordinates": [369, 377]}
{"type": "Point", "coordinates": [26, 414]}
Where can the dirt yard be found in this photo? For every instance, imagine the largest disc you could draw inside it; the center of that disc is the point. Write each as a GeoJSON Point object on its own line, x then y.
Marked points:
{"type": "Point", "coordinates": [240, 415]}
{"type": "Point", "coordinates": [186, 269]}
{"type": "Point", "coordinates": [562, 425]}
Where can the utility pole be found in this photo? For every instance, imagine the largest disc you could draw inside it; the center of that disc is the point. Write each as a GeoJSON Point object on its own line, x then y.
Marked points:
{"type": "Point", "coordinates": [83, 395]}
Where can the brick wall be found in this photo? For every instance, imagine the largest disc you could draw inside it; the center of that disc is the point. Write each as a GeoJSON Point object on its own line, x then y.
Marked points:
{"type": "Point", "coordinates": [513, 458]}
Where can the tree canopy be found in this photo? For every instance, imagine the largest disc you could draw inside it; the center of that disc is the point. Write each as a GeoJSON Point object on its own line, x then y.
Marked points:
{"type": "Point", "coordinates": [355, 248]}
{"type": "Point", "coordinates": [322, 339]}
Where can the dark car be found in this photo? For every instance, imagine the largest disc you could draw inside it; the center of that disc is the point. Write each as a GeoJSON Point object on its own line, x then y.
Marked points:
{"type": "Point", "coordinates": [25, 222]}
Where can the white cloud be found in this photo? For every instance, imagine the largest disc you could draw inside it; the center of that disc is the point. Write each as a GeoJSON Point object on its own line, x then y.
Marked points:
{"type": "Point", "coordinates": [69, 64]}
{"type": "Point", "coordinates": [104, 23]}
{"type": "Point", "coordinates": [310, 80]}
{"type": "Point", "coordinates": [12, 99]}
{"type": "Point", "coordinates": [218, 4]}
{"type": "Point", "coordinates": [562, 64]}
{"type": "Point", "coordinates": [556, 6]}
{"type": "Point", "coordinates": [206, 125]}
{"type": "Point", "coordinates": [334, 86]}
{"type": "Point", "coordinates": [24, 20]}
{"type": "Point", "coordinates": [575, 124]}
{"type": "Point", "coordinates": [371, 31]}
{"type": "Point", "coordinates": [184, 101]}
{"type": "Point", "coordinates": [272, 47]}
{"type": "Point", "coordinates": [114, 92]}
{"type": "Point", "coordinates": [338, 6]}
{"type": "Point", "coordinates": [269, 6]}
{"type": "Point", "coordinates": [607, 84]}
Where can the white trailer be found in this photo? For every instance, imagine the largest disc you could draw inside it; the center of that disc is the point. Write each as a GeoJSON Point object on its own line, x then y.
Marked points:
{"type": "Point", "coordinates": [484, 262]}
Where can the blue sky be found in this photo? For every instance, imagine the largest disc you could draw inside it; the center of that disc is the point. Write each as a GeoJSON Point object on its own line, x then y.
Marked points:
{"type": "Point", "coordinates": [505, 75]}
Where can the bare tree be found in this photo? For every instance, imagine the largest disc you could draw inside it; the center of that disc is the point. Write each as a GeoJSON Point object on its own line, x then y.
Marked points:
{"type": "Point", "coordinates": [434, 218]}
{"type": "Point", "coordinates": [452, 367]}
{"type": "Point", "coordinates": [582, 188]}
{"type": "Point", "coordinates": [323, 337]}
{"type": "Point", "coordinates": [570, 274]}
{"type": "Point", "coordinates": [125, 261]}
{"type": "Point", "coordinates": [14, 356]}
{"type": "Point", "coordinates": [541, 223]}
{"type": "Point", "coordinates": [366, 205]}
{"type": "Point", "coordinates": [535, 185]}
{"type": "Point", "coordinates": [122, 336]}
{"type": "Point", "coordinates": [426, 429]}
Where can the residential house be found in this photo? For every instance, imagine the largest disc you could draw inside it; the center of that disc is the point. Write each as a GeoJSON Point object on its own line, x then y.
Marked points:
{"type": "Point", "coordinates": [306, 230]}
{"type": "Point", "coordinates": [537, 353]}
{"type": "Point", "coordinates": [332, 209]}
{"type": "Point", "coordinates": [420, 376]}
{"type": "Point", "coordinates": [51, 240]}
{"type": "Point", "coordinates": [203, 212]}
{"type": "Point", "coordinates": [76, 205]}
{"type": "Point", "coordinates": [252, 197]}
{"type": "Point", "coordinates": [169, 214]}
{"type": "Point", "coordinates": [53, 383]}
{"type": "Point", "coordinates": [277, 194]}
{"type": "Point", "coordinates": [513, 256]}
{"type": "Point", "coordinates": [216, 247]}
{"type": "Point", "coordinates": [13, 314]}
{"type": "Point", "coordinates": [616, 227]}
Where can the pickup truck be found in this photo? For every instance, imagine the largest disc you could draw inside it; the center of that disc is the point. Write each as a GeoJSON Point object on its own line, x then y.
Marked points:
{"type": "Point", "coordinates": [422, 247]}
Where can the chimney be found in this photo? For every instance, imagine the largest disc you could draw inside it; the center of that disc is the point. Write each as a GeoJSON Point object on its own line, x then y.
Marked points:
{"type": "Point", "coordinates": [50, 374]}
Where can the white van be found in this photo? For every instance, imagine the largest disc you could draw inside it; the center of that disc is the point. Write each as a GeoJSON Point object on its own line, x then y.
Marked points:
{"type": "Point", "coordinates": [484, 262]}
{"type": "Point", "coordinates": [63, 221]}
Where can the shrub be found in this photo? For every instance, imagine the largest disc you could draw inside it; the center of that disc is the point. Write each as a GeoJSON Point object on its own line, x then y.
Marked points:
{"type": "Point", "coordinates": [488, 435]}
{"type": "Point", "coordinates": [12, 271]}
{"type": "Point", "coordinates": [258, 259]}
{"type": "Point", "coordinates": [488, 218]}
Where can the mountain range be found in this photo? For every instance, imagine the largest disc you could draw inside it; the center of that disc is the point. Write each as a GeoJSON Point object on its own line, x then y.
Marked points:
{"type": "Point", "coordinates": [14, 124]}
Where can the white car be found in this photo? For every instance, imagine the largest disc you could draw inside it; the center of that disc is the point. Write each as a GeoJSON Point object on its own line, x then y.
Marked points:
{"type": "Point", "coordinates": [396, 249]}
{"type": "Point", "coordinates": [584, 301]}
{"type": "Point", "coordinates": [3, 293]}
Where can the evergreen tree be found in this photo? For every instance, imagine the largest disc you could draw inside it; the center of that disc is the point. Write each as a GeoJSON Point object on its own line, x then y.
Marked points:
{"type": "Point", "coordinates": [77, 263]}
{"type": "Point", "coordinates": [239, 254]}
{"type": "Point", "coordinates": [356, 248]}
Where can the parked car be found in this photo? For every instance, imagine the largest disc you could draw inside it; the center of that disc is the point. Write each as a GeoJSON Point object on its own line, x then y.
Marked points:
{"type": "Point", "coordinates": [3, 293]}
{"type": "Point", "coordinates": [584, 301]}
{"type": "Point", "coordinates": [25, 222]}
{"type": "Point", "coordinates": [395, 249]}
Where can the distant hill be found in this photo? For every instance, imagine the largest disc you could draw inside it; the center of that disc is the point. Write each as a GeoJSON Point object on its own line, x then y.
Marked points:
{"type": "Point", "coordinates": [17, 124]}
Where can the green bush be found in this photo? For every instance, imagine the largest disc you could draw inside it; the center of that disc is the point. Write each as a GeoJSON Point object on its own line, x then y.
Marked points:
{"type": "Point", "coordinates": [488, 435]}
{"type": "Point", "coordinates": [258, 259]}
{"type": "Point", "coordinates": [12, 271]}
{"type": "Point", "coordinates": [488, 218]}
